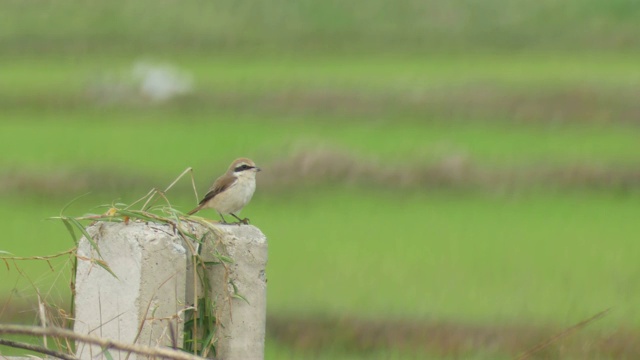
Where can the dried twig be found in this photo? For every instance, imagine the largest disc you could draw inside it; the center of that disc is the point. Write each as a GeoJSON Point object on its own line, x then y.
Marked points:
{"type": "Point", "coordinates": [103, 343]}
{"type": "Point", "coordinates": [563, 334]}
{"type": "Point", "coordinates": [67, 252]}
{"type": "Point", "coordinates": [36, 348]}
{"type": "Point", "coordinates": [146, 312]}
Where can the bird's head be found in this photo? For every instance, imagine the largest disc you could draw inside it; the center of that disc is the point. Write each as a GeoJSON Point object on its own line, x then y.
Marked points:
{"type": "Point", "coordinates": [243, 167]}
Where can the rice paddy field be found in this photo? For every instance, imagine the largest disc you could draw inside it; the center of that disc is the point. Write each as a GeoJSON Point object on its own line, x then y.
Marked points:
{"type": "Point", "coordinates": [440, 179]}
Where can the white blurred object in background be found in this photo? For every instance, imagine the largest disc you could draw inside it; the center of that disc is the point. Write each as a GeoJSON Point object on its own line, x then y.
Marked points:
{"type": "Point", "coordinates": [145, 81]}
{"type": "Point", "coordinates": [161, 82]}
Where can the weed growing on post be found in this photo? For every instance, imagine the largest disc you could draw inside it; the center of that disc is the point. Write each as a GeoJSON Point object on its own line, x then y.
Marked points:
{"type": "Point", "coordinates": [200, 318]}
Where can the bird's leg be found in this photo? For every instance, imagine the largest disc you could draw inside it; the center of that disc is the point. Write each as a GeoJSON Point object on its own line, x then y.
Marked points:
{"type": "Point", "coordinates": [243, 221]}
{"type": "Point", "coordinates": [223, 220]}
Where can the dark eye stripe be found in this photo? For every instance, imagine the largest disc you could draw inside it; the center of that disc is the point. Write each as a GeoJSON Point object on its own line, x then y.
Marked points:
{"type": "Point", "coordinates": [242, 168]}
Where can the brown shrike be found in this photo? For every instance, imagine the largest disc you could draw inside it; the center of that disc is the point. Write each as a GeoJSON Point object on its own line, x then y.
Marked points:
{"type": "Point", "coordinates": [231, 191]}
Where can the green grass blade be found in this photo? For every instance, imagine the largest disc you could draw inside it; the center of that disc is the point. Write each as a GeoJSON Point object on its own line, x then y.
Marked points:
{"type": "Point", "coordinates": [236, 294]}
{"type": "Point", "coordinates": [107, 354]}
{"type": "Point", "coordinates": [86, 235]}
{"type": "Point", "coordinates": [190, 236]}
{"type": "Point", "coordinates": [136, 215]}
{"type": "Point", "coordinates": [223, 258]}
{"type": "Point", "coordinates": [208, 343]}
{"type": "Point", "coordinates": [69, 227]}
{"type": "Point", "coordinates": [64, 208]}
{"type": "Point", "coordinates": [103, 264]}
{"type": "Point", "coordinates": [108, 219]}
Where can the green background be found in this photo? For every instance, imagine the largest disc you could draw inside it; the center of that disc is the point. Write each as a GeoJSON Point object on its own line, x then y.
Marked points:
{"type": "Point", "coordinates": [434, 171]}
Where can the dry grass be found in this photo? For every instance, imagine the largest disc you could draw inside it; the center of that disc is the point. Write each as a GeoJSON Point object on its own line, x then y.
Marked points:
{"type": "Point", "coordinates": [319, 166]}
{"type": "Point", "coordinates": [448, 339]}
{"type": "Point", "coordinates": [487, 102]}
{"type": "Point", "coordinates": [453, 171]}
{"type": "Point", "coordinates": [577, 103]}
{"type": "Point", "coordinates": [68, 181]}
{"type": "Point", "coordinates": [312, 335]}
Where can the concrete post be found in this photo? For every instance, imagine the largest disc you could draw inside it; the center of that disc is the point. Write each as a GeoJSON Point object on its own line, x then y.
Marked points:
{"type": "Point", "coordinates": [145, 304]}
{"type": "Point", "coordinates": [243, 333]}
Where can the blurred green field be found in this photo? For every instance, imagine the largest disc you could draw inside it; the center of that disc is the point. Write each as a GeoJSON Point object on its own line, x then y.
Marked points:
{"type": "Point", "coordinates": [518, 91]}
{"type": "Point", "coordinates": [535, 258]}
{"type": "Point", "coordinates": [373, 26]}
{"type": "Point", "coordinates": [171, 146]}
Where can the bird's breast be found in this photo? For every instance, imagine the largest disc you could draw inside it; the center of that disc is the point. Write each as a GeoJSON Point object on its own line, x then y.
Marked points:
{"type": "Point", "coordinates": [234, 198]}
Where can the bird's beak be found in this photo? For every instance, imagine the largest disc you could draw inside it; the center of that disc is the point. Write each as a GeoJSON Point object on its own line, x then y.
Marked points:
{"type": "Point", "coordinates": [258, 169]}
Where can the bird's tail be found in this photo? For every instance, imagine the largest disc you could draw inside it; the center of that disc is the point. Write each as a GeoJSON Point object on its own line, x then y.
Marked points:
{"type": "Point", "coordinates": [198, 208]}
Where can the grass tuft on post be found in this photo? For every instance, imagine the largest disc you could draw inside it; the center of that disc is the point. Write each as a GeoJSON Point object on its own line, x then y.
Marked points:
{"type": "Point", "coordinates": [200, 320]}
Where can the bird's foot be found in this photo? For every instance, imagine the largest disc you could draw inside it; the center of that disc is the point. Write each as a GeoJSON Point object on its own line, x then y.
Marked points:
{"type": "Point", "coordinates": [244, 221]}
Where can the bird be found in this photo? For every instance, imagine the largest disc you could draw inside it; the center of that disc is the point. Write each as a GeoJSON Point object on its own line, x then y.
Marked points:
{"type": "Point", "coordinates": [231, 191]}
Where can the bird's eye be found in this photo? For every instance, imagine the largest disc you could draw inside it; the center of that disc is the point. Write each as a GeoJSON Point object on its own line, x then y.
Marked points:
{"type": "Point", "coordinates": [242, 167]}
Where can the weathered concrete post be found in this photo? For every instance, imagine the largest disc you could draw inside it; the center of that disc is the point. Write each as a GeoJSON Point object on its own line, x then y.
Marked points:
{"type": "Point", "coordinates": [243, 333]}
{"type": "Point", "coordinates": [145, 302]}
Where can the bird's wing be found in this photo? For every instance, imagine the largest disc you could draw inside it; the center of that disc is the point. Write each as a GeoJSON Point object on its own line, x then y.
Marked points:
{"type": "Point", "coordinates": [221, 184]}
